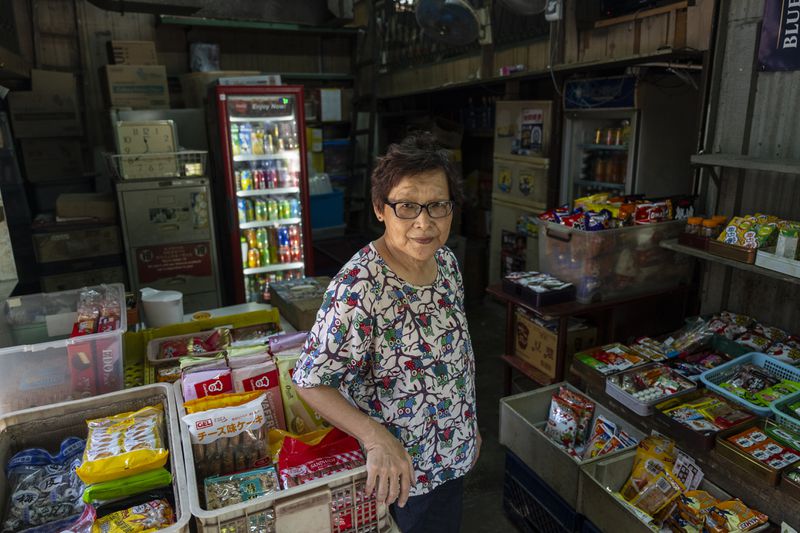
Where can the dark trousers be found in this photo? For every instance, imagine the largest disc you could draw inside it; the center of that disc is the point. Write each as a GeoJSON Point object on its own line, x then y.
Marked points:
{"type": "Point", "coordinates": [438, 511]}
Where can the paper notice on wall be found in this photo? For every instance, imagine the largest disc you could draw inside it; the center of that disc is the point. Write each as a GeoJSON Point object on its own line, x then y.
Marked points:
{"type": "Point", "coordinates": [531, 129]}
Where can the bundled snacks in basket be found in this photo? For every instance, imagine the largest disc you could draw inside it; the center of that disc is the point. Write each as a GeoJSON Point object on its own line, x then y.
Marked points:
{"type": "Point", "coordinates": [569, 423]}
{"type": "Point", "coordinates": [610, 358]}
{"type": "Point", "coordinates": [263, 377]}
{"type": "Point", "coordinates": [756, 443]}
{"type": "Point", "coordinates": [222, 491]}
{"type": "Point", "coordinates": [692, 365]}
{"type": "Point", "coordinates": [697, 510]}
{"type": "Point", "coordinates": [228, 433]}
{"type": "Point", "coordinates": [124, 445]}
{"type": "Point", "coordinates": [150, 516]}
{"type": "Point", "coordinates": [127, 486]}
{"type": "Point", "coordinates": [206, 383]}
{"type": "Point", "coordinates": [98, 310]}
{"type": "Point", "coordinates": [602, 211]}
{"type": "Point", "coordinates": [708, 413]}
{"type": "Point", "coordinates": [757, 385]}
{"type": "Point", "coordinates": [650, 383]}
{"type": "Point", "coordinates": [752, 231]}
{"type": "Point", "coordinates": [204, 342]}
{"type": "Point", "coordinates": [300, 462]}
{"type": "Point", "coordinates": [44, 488]}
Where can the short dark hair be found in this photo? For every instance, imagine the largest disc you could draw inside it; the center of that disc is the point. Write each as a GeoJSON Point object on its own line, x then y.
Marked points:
{"type": "Point", "coordinates": [416, 154]}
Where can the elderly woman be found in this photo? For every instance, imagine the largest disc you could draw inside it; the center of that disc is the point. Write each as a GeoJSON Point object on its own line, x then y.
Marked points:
{"type": "Point", "coordinates": [389, 359]}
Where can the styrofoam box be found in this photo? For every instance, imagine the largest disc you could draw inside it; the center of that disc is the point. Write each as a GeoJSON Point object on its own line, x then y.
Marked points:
{"type": "Point", "coordinates": [613, 263]}
{"type": "Point", "coordinates": [284, 509]}
{"type": "Point", "coordinates": [523, 418]}
{"type": "Point", "coordinates": [41, 365]}
{"type": "Point", "coordinates": [47, 426]}
{"type": "Point", "coordinates": [600, 479]}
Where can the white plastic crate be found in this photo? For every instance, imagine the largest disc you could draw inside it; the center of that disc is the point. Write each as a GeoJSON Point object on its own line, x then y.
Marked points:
{"type": "Point", "coordinates": [350, 510]}
{"type": "Point", "coordinates": [41, 365]}
{"type": "Point", "coordinates": [613, 263]}
{"type": "Point", "coordinates": [47, 426]}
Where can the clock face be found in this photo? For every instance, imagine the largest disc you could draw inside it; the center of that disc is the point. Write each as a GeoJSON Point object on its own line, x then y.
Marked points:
{"type": "Point", "coordinates": [139, 145]}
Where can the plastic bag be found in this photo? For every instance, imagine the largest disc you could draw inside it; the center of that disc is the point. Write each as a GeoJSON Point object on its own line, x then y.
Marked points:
{"type": "Point", "coordinates": [229, 439]}
{"type": "Point", "coordinates": [81, 523]}
{"type": "Point", "coordinates": [278, 436]}
{"type": "Point", "coordinates": [124, 445]}
{"type": "Point", "coordinates": [300, 463]}
{"type": "Point", "coordinates": [222, 491]}
{"type": "Point", "coordinates": [219, 401]}
{"type": "Point", "coordinates": [128, 486]}
{"type": "Point", "coordinates": [44, 488]}
{"type": "Point", "coordinates": [144, 518]}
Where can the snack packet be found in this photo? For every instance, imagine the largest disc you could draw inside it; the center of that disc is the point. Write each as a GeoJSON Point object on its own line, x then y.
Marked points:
{"type": "Point", "coordinates": [562, 422]}
{"type": "Point", "coordinates": [733, 515]}
{"type": "Point", "coordinates": [222, 491]}
{"type": "Point", "coordinates": [127, 486]}
{"type": "Point", "coordinates": [144, 518]}
{"type": "Point", "coordinates": [206, 383]}
{"type": "Point", "coordinates": [218, 401]}
{"type": "Point", "coordinates": [659, 492]}
{"type": "Point", "coordinates": [584, 410]}
{"type": "Point", "coordinates": [124, 445]}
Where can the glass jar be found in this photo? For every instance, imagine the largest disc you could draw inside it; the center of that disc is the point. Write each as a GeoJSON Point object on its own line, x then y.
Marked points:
{"type": "Point", "coordinates": [693, 225]}
{"type": "Point", "coordinates": [710, 229]}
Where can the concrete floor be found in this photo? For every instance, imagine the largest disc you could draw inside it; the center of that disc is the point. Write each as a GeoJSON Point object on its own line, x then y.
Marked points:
{"type": "Point", "coordinates": [483, 493]}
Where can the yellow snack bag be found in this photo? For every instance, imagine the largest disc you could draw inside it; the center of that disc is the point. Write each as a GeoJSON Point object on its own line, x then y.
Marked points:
{"type": "Point", "coordinates": [300, 417]}
{"type": "Point", "coordinates": [659, 493]}
{"type": "Point", "coordinates": [150, 516]}
{"type": "Point", "coordinates": [123, 445]}
{"type": "Point", "coordinates": [216, 401]}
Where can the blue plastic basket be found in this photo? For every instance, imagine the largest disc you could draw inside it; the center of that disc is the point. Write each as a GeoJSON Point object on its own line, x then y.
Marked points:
{"type": "Point", "coordinates": [784, 418]}
{"type": "Point", "coordinates": [712, 378]}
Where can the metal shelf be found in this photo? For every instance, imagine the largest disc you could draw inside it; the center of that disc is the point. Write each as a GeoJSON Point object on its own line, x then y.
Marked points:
{"type": "Point", "coordinates": [673, 245]}
{"type": "Point", "coordinates": [746, 162]}
{"type": "Point", "coordinates": [268, 192]}
{"type": "Point", "coordinates": [611, 147]}
{"type": "Point", "coordinates": [269, 223]}
{"type": "Point", "coordinates": [266, 157]}
{"type": "Point", "coordinates": [601, 184]}
{"type": "Point", "coordinates": [261, 119]}
{"type": "Point", "coordinates": [179, 20]}
{"type": "Point", "coordinates": [274, 268]}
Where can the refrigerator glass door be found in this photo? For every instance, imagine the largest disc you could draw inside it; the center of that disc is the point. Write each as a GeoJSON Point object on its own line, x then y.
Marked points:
{"type": "Point", "coordinates": [265, 146]}
{"type": "Point", "coordinates": [599, 153]}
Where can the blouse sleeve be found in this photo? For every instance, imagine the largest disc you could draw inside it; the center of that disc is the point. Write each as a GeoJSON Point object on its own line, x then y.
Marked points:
{"type": "Point", "coordinates": [339, 344]}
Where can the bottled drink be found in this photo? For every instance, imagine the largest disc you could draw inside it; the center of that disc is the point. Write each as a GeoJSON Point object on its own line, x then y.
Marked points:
{"type": "Point", "coordinates": [257, 140]}
{"type": "Point", "coordinates": [294, 243]}
{"type": "Point", "coordinates": [272, 209]}
{"type": "Point", "coordinates": [235, 146]}
{"type": "Point", "coordinates": [294, 208]}
{"type": "Point", "coordinates": [284, 248]}
{"type": "Point", "coordinates": [245, 249]}
{"type": "Point", "coordinates": [241, 204]}
{"type": "Point", "coordinates": [283, 175]}
{"type": "Point", "coordinates": [253, 258]}
{"type": "Point", "coordinates": [245, 132]}
{"type": "Point", "coordinates": [246, 180]}
{"type": "Point", "coordinates": [273, 245]}
{"type": "Point", "coordinates": [268, 144]}
{"type": "Point", "coordinates": [261, 210]}
{"type": "Point", "coordinates": [252, 241]}
{"type": "Point", "coordinates": [261, 238]}
{"type": "Point", "coordinates": [284, 209]}
{"type": "Point", "coordinates": [258, 179]}
{"type": "Point", "coordinates": [272, 175]}
{"type": "Point", "coordinates": [251, 215]}
{"type": "Point", "coordinates": [237, 177]}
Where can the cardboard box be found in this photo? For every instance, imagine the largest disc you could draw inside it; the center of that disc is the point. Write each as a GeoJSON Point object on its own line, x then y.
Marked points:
{"type": "Point", "coordinates": [137, 86]}
{"type": "Point", "coordinates": [335, 104]}
{"type": "Point", "coordinates": [100, 206]}
{"type": "Point", "coordinates": [44, 114]}
{"type": "Point", "coordinates": [538, 346]}
{"type": "Point", "coordinates": [71, 244]}
{"type": "Point", "coordinates": [132, 53]}
{"type": "Point", "coordinates": [51, 159]}
{"type": "Point", "coordinates": [258, 80]}
{"type": "Point", "coordinates": [195, 84]}
{"type": "Point", "coordinates": [299, 299]}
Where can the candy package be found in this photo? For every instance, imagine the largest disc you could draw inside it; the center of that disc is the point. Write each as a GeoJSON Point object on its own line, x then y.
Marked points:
{"type": "Point", "coordinates": [610, 358]}
{"type": "Point", "coordinates": [222, 491]}
{"type": "Point", "coordinates": [42, 487]}
{"type": "Point", "coordinates": [583, 408]}
{"type": "Point", "coordinates": [562, 422]}
{"type": "Point", "coordinates": [127, 486]}
{"type": "Point", "coordinates": [658, 493]}
{"type": "Point", "coordinates": [733, 515]}
{"type": "Point", "coordinates": [254, 335]}
{"type": "Point", "coordinates": [784, 352]}
{"type": "Point", "coordinates": [123, 445]}
{"type": "Point", "coordinates": [263, 377]}
{"type": "Point", "coordinates": [196, 344]}
{"type": "Point", "coordinates": [229, 439]}
{"type": "Point", "coordinates": [151, 516]}
{"type": "Point", "coordinates": [300, 463]}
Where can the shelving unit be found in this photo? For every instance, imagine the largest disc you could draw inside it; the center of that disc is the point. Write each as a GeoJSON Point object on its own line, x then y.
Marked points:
{"type": "Point", "coordinates": [264, 157]}
{"type": "Point", "coordinates": [601, 184]}
{"type": "Point", "coordinates": [261, 119]}
{"type": "Point", "coordinates": [701, 254]}
{"type": "Point", "coordinates": [269, 223]}
{"type": "Point", "coordinates": [268, 192]}
{"type": "Point", "coordinates": [278, 267]}
{"type": "Point", "coordinates": [746, 162]}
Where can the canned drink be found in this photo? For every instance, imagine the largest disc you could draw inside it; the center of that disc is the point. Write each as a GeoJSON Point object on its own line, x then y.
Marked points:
{"type": "Point", "coordinates": [261, 210]}
{"type": "Point", "coordinates": [241, 205]}
{"type": "Point", "coordinates": [251, 213]}
{"type": "Point", "coordinates": [272, 209]}
{"type": "Point", "coordinates": [284, 209]}
{"type": "Point", "coordinates": [253, 258]}
{"type": "Point", "coordinates": [257, 178]}
{"type": "Point", "coordinates": [246, 180]}
{"type": "Point", "coordinates": [294, 204]}
{"type": "Point", "coordinates": [272, 177]}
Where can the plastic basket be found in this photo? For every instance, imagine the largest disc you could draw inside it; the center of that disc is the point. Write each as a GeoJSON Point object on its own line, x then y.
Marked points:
{"type": "Point", "coordinates": [712, 378]}
{"type": "Point", "coordinates": [782, 417]}
{"type": "Point", "coordinates": [350, 510]}
{"type": "Point", "coordinates": [47, 426]}
{"type": "Point", "coordinates": [645, 408]}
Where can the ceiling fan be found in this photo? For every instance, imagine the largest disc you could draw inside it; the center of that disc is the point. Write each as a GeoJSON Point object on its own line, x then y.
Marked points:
{"type": "Point", "coordinates": [450, 22]}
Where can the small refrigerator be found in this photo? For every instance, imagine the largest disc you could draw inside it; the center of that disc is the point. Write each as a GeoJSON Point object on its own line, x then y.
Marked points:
{"type": "Point", "coordinates": [523, 130]}
{"type": "Point", "coordinates": [626, 136]}
{"type": "Point", "coordinates": [266, 206]}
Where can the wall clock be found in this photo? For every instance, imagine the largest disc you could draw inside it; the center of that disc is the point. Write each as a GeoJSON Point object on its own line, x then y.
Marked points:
{"type": "Point", "coordinates": [139, 145]}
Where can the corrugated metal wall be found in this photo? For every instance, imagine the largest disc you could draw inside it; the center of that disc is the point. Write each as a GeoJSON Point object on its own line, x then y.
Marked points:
{"type": "Point", "coordinates": [756, 113]}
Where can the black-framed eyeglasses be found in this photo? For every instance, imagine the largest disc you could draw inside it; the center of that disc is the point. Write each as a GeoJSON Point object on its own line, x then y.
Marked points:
{"type": "Point", "coordinates": [411, 210]}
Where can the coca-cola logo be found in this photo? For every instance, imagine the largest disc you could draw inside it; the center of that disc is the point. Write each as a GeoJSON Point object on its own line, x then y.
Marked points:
{"type": "Point", "coordinates": [203, 424]}
{"type": "Point", "coordinates": [240, 107]}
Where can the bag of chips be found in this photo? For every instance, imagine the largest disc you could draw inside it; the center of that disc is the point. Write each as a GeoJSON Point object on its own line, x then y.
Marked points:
{"type": "Point", "coordinates": [144, 518]}
{"type": "Point", "coordinates": [222, 491]}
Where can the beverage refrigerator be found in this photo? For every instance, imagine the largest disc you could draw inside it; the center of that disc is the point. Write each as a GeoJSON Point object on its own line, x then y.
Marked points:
{"type": "Point", "coordinates": [266, 206]}
{"type": "Point", "coordinates": [624, 135]}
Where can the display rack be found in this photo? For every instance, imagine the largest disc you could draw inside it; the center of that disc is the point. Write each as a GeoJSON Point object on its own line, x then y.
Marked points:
{"type": "Point", "coordinates": [746, 162]}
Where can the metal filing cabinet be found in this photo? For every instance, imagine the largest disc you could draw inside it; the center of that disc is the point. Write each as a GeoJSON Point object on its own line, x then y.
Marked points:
{"type": "Point", "coordinates": [168, 229]}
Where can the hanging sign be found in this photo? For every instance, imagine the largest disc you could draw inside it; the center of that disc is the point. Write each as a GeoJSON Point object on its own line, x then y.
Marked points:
{"type": "Point", "coordinates": [779, 46]}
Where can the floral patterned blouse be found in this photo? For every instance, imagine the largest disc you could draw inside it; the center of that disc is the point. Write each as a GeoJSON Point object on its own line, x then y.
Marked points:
{"type": "Point", "coordinates": [402, 354]}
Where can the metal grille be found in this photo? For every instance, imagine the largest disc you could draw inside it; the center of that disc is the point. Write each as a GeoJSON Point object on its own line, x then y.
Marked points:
{"type": "Point", "coordinates": [512, 28]}
{"type": "Point", "coordinates": [525, 509]}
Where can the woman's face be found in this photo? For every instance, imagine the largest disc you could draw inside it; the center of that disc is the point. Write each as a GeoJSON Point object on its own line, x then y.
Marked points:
{"type": "Point", "coordinates": [418, 238]}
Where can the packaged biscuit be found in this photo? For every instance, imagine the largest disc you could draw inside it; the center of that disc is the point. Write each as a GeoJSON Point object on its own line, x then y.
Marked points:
{"type": "Point", "coordinates": [299, 417]}
{"type": "Point", "coordinates": [123, 445]}
{"type": "Point", "coordinates": [263, 377]}
{"type": "Point", "coordinates": [222, 491]}
{"type": "Point", "coordinates": [733, 515]}
{"type": "Point", "coordinates": [151, 516]}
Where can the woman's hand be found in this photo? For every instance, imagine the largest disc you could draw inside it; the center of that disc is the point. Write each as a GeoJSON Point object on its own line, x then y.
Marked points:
{"type": "Point", "coordinates": [389, 468]}
{"type": "Point", "coordinates": [478, 443]}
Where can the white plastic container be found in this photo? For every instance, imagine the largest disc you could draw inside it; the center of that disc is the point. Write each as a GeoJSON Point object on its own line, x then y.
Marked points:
{"type": "Point", "coordinates": [41, 365]}
{"type": "Point", "coordinates": [47, 426]}
{"type": "Point", "coordinates": [162, 308]}
{"type": "Point", "coordinates": [613, 263]}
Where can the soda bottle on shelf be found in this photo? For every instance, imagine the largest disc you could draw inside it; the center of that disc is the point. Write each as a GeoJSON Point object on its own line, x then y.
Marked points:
{"type": "Point", "coordinates": [261, 210]}
{"type": "Point", "coordinates": [257, 140]}
{"type": "Point", "coordinates": [261, 238]}
{"type": "Point", "coordinates": [284, 209]}
{"type": "Point", "coordinates": [294, 204]}
{"type": "Point", "coordinates": [264, 249]}
{"type": "Point", "coordinates": [269, 147]}
{"type": "Point", "coordinates": [253, 258]}
{"type": "Point", "coordinates": [246, 180]}
{"type": "Point", "coordinates": [293, 135]}
{"type": "Point", "coordinates": [252, 241]}
{"type": "Point", "coordinates": [283, 174]}
{"type": "Point", "coordinates": [276, 139]}
{"type": "Point", "coordinates": [284, 248]}
{"type": "Point", "coordinates": [245, 249]}
{"type": "Point", "coordinates": [272, 209]}
{"type": "Point", "coordinates": [241, 205]}
{"type": "Point", "coordinates": [235, 146]}
{"type": "Point", "coordinates": [272, 175]}
{"type": "Point", "coordinates": [245, 135]}
{"type": "Point", "coordinates": [258, 178]}
{"type": "Point", "coordinates": [294, 244]}
{"type": "Point", "coordinates": [238, 179]}
{"type": "Point", "coordinates": [273, 245]}
{"type": "Point", "coordinates": [251, 212]}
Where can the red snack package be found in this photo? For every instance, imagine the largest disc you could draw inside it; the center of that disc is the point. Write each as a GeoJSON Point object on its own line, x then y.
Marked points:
{"type": "Point", "coordinates": [300, 463]}
{"type": "Point", "coordinates": [584, 411]}
{"type": "Point", "coordinates": [562, 422]}
{"type": "Point", "coordinates": [549, 216]}
{"type": "Point", "coordinates": [577, 221]}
